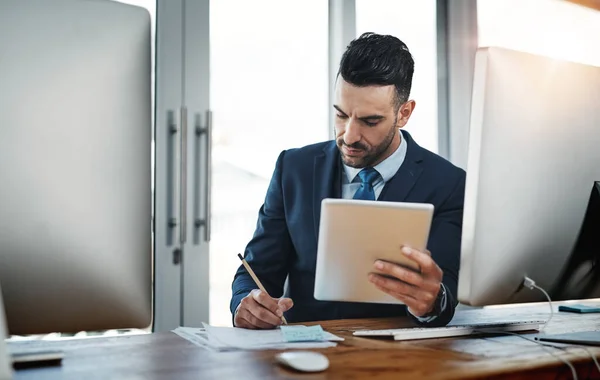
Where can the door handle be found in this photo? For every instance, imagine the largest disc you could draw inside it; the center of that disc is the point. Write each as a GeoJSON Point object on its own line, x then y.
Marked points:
{"type": "Point", "coordinates": [203, 221]}
{"type": "Point", "coordinates": [171, 176]}
{"type": "Point", "coordinates": [183, 176]}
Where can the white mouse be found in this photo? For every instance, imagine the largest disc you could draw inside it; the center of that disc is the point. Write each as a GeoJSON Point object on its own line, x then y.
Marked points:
{"type": "Point", "coordinates": [304, 361]}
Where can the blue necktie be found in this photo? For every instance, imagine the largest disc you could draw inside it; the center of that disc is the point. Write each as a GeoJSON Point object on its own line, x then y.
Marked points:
{"type": "Point", "coordinates": [367, 177]}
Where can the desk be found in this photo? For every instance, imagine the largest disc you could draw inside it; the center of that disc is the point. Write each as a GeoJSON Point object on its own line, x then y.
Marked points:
{"type": "Point", "coordinates": [167, 356]}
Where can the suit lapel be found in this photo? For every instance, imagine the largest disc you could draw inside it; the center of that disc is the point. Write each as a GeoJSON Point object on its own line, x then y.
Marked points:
{"type": "Point", "coordinates": [400, 185]}
{"type": "Point", "coordinates": [327, 181]}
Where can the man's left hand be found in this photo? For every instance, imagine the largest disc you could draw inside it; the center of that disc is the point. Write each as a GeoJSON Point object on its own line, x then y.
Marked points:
{"type": "Point", "coordinates": [418, 290]}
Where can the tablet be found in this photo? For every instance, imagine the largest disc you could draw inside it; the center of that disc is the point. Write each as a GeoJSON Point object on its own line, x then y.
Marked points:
{"type": "Point", "coordinates": [355, 233]}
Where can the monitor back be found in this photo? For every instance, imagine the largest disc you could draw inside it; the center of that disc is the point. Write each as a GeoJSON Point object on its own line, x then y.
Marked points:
{"type": "Point", "coordinates": [75, 169]}
{"type": "Point", "coordinates": [534, 154]}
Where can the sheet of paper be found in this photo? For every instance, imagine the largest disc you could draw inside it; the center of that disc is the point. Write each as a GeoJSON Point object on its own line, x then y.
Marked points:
{"type": "Point", "coordinates": [230, 338]}
{"type": "Point", "coordinates": [199, 337]}
{"type": "Point", "coordinates": [302, 333]}
{"type": "Point", "coordinates": [256, 339]}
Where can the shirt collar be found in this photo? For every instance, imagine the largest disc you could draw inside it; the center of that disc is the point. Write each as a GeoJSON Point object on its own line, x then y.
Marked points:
{"type": "Point", "coordinates": [386, 168]}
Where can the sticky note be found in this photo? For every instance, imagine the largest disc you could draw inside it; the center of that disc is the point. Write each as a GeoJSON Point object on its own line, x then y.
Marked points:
{"type": "Point", "coordinates": [302, 333]}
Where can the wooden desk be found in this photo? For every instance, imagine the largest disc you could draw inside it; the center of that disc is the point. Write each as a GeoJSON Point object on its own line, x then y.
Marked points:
{"type": "Point", "coordinates": [167, 356]}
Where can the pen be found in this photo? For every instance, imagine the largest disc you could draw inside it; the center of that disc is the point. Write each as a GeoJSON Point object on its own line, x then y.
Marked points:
{"type": "Point", "coordinates": [260, 286]}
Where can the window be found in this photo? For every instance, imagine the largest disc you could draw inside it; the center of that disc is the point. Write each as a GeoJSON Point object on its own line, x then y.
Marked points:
{"type": "Point", "coordinates": [553, 28]}
{"type": "Point", "coordinates": [269, 92]}
{"type": "Point", "coordinates": [413, 22]}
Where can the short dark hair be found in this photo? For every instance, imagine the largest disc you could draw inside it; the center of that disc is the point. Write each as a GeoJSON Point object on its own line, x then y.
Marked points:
{"type": "Point", "coordinates": [375, 59]}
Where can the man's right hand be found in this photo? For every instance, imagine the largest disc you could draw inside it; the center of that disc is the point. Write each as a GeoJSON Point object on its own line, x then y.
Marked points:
{"type": "Point", "coordinates": [260, 311]}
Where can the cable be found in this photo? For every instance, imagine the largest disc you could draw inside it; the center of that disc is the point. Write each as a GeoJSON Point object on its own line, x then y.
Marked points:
{"type": "Point", "coordinates": [590, 353]}
{"type": "Point", "coordinates": [544, 347]}
{"type": "Point", "coordinates": [592, 356]}
{"type": "Point", "coordinates": [529, 283]}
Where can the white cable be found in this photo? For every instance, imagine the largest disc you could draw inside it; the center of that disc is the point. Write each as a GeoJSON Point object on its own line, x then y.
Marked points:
{"type": "Point", "coordinates": [592, 356]}
{"type": "Point", "coordinates": [529, 283]}
{"type": "Point", "coordinates": [551, 309]}
{"type": "Point", "coordinates": [566, 361]}
{"type": "Point", "coordinates": [590, 353]}
{"type": "Point", "coordinates": [544, 347]}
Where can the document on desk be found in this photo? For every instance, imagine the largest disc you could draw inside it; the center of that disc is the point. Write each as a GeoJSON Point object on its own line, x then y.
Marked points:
{"type": "Point", "coordinates": [232, 338]}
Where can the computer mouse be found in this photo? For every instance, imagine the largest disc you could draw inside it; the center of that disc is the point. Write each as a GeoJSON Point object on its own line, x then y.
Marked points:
{"type": "Point", "coordinates": [304, 361]}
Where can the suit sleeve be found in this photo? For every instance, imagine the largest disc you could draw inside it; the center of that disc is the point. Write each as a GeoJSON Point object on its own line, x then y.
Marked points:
{"type": "Point", "coordinates": [268, 252]}
{"type": "Point", "coordinates": [444, 244]}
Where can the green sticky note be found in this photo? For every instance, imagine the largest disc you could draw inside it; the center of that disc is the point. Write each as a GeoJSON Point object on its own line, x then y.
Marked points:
{"type": "Point", "coordinates": [302, 333]}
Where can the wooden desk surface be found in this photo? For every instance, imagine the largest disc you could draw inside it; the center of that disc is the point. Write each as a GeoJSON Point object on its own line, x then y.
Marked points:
{"type": "Point", "coordinates": [167, 356]}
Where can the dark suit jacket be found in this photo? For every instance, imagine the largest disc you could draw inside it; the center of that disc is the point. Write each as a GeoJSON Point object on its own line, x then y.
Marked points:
{"type": "Point", "coordinates": [285, 240]}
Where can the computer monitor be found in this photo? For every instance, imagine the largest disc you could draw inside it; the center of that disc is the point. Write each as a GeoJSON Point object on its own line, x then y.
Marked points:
{"type": "Point", "coordinates": [532, 203]}
{"type": "Point", "coordinates": [75, 166]}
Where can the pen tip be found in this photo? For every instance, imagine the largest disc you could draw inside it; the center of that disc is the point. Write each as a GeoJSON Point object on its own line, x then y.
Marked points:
{"type": "Point", "coordinates": [240, 256]}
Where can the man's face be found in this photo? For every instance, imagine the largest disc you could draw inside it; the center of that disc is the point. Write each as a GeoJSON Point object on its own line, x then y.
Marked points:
{"type": "Point", "coordinates": [366, 123]}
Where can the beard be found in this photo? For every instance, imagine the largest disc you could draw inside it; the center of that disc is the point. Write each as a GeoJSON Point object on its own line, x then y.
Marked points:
{"type": "Point", "coordinates": [368, 155]}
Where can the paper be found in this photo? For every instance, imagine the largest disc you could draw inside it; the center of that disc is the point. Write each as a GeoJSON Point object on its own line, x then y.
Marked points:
{"type": "Point", "coordinates": [199, 337]}
{"type": "Point", "coordinates": [232, 338]}
{"type": "Point", "coordinates": [302, 333]}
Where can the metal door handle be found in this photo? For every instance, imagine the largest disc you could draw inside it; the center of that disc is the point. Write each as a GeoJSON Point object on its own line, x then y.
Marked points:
{"type": "Point", "coordinates": [199, 222]}
{"type": "Point", "coordinates": [183, 182]}
{"type": "Point", "coordinates": [171, 176]}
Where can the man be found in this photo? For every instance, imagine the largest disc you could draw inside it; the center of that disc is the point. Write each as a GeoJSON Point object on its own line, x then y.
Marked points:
{"type": "Point", "coordinates": [370, 158]}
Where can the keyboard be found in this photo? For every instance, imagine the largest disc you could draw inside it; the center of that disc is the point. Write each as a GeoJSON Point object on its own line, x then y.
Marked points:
{"type": "Point", "coordinates": [413, 333]}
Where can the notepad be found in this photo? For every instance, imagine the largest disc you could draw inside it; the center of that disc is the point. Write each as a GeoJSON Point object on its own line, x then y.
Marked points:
{"type": "Point", "coordinates": [302, 333]}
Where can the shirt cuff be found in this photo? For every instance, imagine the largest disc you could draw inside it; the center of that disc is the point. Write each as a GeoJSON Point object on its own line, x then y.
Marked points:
{"type": "Point", "coordinates": [431, 318]}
